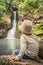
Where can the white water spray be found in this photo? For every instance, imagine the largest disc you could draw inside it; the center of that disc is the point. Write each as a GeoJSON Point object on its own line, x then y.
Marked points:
{"type": "Point", "coordinates": [11, 34]}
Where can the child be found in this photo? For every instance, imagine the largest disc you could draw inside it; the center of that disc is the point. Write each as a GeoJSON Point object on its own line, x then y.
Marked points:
{"type": "Point", "coordinates": [29, 46]}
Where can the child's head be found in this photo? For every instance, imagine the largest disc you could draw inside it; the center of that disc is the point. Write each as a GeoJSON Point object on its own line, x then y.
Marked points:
{"type": "Point", "coordinates": [26, 27]}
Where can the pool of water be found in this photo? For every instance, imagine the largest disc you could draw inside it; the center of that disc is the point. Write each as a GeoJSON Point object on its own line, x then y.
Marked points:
{"type": "Point", "coordinates": [5, 45]}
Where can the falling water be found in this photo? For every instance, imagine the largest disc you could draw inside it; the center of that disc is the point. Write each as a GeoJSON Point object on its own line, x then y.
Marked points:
{"type": "Point", "coordinates": [11, 33]}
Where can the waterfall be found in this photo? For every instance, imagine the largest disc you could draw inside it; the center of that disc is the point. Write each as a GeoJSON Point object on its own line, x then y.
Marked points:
{"type": "Point", "coordinates": [11, 33]}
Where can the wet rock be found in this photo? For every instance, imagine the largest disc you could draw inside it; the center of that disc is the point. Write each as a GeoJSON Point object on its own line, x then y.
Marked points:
{"type": "Point", "coordinates": [41, 49]}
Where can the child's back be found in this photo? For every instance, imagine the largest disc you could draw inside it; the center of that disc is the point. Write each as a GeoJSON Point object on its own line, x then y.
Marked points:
{"type": "Point", "coordinates": [32, 46]}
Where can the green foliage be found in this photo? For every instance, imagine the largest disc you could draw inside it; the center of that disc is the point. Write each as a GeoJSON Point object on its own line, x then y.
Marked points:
{"type": "Point", "coordinates": [6, 5]}
{"type": "Point", "coordinates": [31, 5]}
{"type": "Point", "coordinates": [21, 5]}
{"type": "Point", "coordinates": [2, 8]}
{"type": "Point", "coordinates": [35, 8]}
{"type": "Point", "coordinates": [38, 28]}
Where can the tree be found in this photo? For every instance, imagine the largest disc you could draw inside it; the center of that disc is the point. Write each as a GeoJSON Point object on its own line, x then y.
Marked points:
{"type": "Point", "coordinates": [6, 5]}
{"type": "Point", "coordinates": [35, 8]}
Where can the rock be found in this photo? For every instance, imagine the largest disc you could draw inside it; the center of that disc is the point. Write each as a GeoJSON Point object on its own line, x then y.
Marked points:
{"type": "Point", "coordinates": [41, 49]}
{"type": "Point", "coordinates": [4, 60]}
{"type": "Point", "coordinates": [7, 20]}
{"type": "Point", "coordinates": [41, 53]}
{"type": "Point", "coordinates": [3, 30]}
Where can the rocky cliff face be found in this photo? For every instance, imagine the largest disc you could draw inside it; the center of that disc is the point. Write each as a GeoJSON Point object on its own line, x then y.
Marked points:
{"type": "Point", "coordinates": [3, 30]}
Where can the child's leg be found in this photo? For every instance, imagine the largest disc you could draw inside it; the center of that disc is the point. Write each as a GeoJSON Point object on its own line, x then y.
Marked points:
{"type": "Point", "coordinates": [27, 57]}
{"type": "Point", "coordinates": [16, 51]}
{"type": "Point", "coordinates": [24, 56]}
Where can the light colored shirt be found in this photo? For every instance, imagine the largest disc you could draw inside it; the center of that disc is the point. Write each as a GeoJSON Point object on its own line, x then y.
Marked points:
{"type": "Point", "coordinates": [28, 45]}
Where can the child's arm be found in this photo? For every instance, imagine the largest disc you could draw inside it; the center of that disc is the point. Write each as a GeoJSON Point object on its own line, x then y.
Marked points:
{"type": "Point", "coordinates": [22, 48]}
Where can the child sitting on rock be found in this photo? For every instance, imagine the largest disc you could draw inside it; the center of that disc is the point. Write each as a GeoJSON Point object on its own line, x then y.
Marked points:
{"type": "Point", "coordinates": [29, 46]}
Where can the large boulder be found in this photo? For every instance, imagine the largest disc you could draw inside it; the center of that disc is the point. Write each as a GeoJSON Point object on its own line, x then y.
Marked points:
{"type": "Point", "coordinates": [4, 60]}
